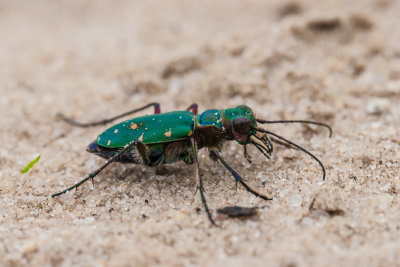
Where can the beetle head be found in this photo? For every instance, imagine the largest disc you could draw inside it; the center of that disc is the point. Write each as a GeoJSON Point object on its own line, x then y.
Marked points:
{"type": "Point", "coordinates": [244, 133]}
{"type": "Point", "coordinates": [243, 127]}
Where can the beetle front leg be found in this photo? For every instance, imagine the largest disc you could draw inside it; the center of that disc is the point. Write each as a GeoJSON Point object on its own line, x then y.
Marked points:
{"type": "Point", "coordinates": [61, 116]}
{"type": "Point", "coordinates": [238, 178]}
{"type": "Point", "coordinates": [198, 178]}
{"type": "Point", "coordinates": [246, 155]}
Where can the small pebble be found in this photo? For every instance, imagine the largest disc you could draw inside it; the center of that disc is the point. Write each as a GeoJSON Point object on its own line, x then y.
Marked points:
{"type": "Point", "coordinates": [237, 211]}
{"type": "Point", "coordinates": [377, 106]}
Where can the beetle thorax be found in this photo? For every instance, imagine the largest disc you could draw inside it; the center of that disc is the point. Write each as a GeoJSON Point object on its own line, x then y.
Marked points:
{"type": "Point", "coordinates": [210, 129]}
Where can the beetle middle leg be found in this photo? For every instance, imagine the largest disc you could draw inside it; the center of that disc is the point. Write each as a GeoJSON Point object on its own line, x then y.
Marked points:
{"type": "Point", "coordinates": [61, 116]}
{"type": "Point", "coordinates": [143, 153]}
{"type": "Point", "coordinates": [238, 178]}
{"type": "Point", "coordinates": [198, 178]}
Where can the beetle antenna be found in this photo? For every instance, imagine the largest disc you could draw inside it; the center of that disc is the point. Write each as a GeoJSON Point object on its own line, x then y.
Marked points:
{"type": "Point", "coordinates": [298, 121]}
{"type": "Point", "coordinates": [295, 145]}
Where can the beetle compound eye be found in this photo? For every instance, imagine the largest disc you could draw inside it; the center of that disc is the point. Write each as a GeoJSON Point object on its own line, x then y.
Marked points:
{"type": "Point", "coordinates": [242, 124]}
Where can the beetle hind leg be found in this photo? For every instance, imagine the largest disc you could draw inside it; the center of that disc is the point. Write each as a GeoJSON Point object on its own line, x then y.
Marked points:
{"type": "Point", "coordinates": [61, 116]}
{"type": "Point", "coordinates": [96, 172]}
{"type": "Point", "coordinates": [194, 108]}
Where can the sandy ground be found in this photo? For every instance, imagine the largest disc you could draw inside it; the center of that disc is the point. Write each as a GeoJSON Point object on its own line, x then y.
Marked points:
{"type": "Point", "coordinates": [333, 61]}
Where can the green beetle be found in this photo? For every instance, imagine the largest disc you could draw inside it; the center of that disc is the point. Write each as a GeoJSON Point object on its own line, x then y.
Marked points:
{"type": "Point", "coordinates": [163, 138]}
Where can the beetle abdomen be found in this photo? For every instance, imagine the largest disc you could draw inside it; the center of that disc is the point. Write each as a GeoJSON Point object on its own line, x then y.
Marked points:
{"type": "Point", "coordinates": [162, 153]}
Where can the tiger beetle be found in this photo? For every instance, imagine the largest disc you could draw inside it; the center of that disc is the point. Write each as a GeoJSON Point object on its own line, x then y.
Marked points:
{"type": "Point", "coordinates": [163, 138]}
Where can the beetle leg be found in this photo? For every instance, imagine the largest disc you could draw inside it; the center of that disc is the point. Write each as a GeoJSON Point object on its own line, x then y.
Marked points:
{"type": "Point", "coordinates": [200, 182]}
{"type": "Point", "coordinates": [188, 159]}
{"type": "Point", "coordinates": [96, 172]}
{"type": "Point", "coordinates": [61, 116]}
{"type": "Point", "coordinates": [212, 155]}
{"type": "Point", "coordinates": [193, 107]}
{"type": "Point", "coordinates": [143, 153]}
{"type": "Point", "coordinates": [238, 178]}
{"type": "Point", "coordinates": [246, 155]}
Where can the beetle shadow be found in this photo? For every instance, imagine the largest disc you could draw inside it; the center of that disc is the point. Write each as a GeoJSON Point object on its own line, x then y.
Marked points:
{"type": "Point", "coordinates": [178, 172]}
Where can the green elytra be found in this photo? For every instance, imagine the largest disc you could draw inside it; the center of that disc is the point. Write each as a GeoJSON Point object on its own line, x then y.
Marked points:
{"type": "Point", "coordinates": [169, 127]}
{"type": "Point", "coordinates": [163, 138]}
{"type": "Point", "coordinates": [151, 129]}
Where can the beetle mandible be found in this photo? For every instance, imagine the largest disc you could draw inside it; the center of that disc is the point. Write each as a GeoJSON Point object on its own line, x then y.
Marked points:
{"type": "Point", "coordinates": [163, 138]}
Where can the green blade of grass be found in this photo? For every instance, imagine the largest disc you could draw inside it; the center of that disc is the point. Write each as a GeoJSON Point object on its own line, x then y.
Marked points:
{"type": "Point", "coordinates": [30, 165]}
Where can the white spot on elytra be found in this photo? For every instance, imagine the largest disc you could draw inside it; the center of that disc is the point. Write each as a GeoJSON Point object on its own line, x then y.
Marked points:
{"type": "Point", "coordinates": [116, 131]}
{"type": "Point", "coordinates": [141, 138]}
{"type": "Point", "coordinates": [109, 142]}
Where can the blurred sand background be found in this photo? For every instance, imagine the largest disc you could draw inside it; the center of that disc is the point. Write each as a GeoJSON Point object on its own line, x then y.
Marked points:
{"type": "Point", "coordinates": [333, 61]}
